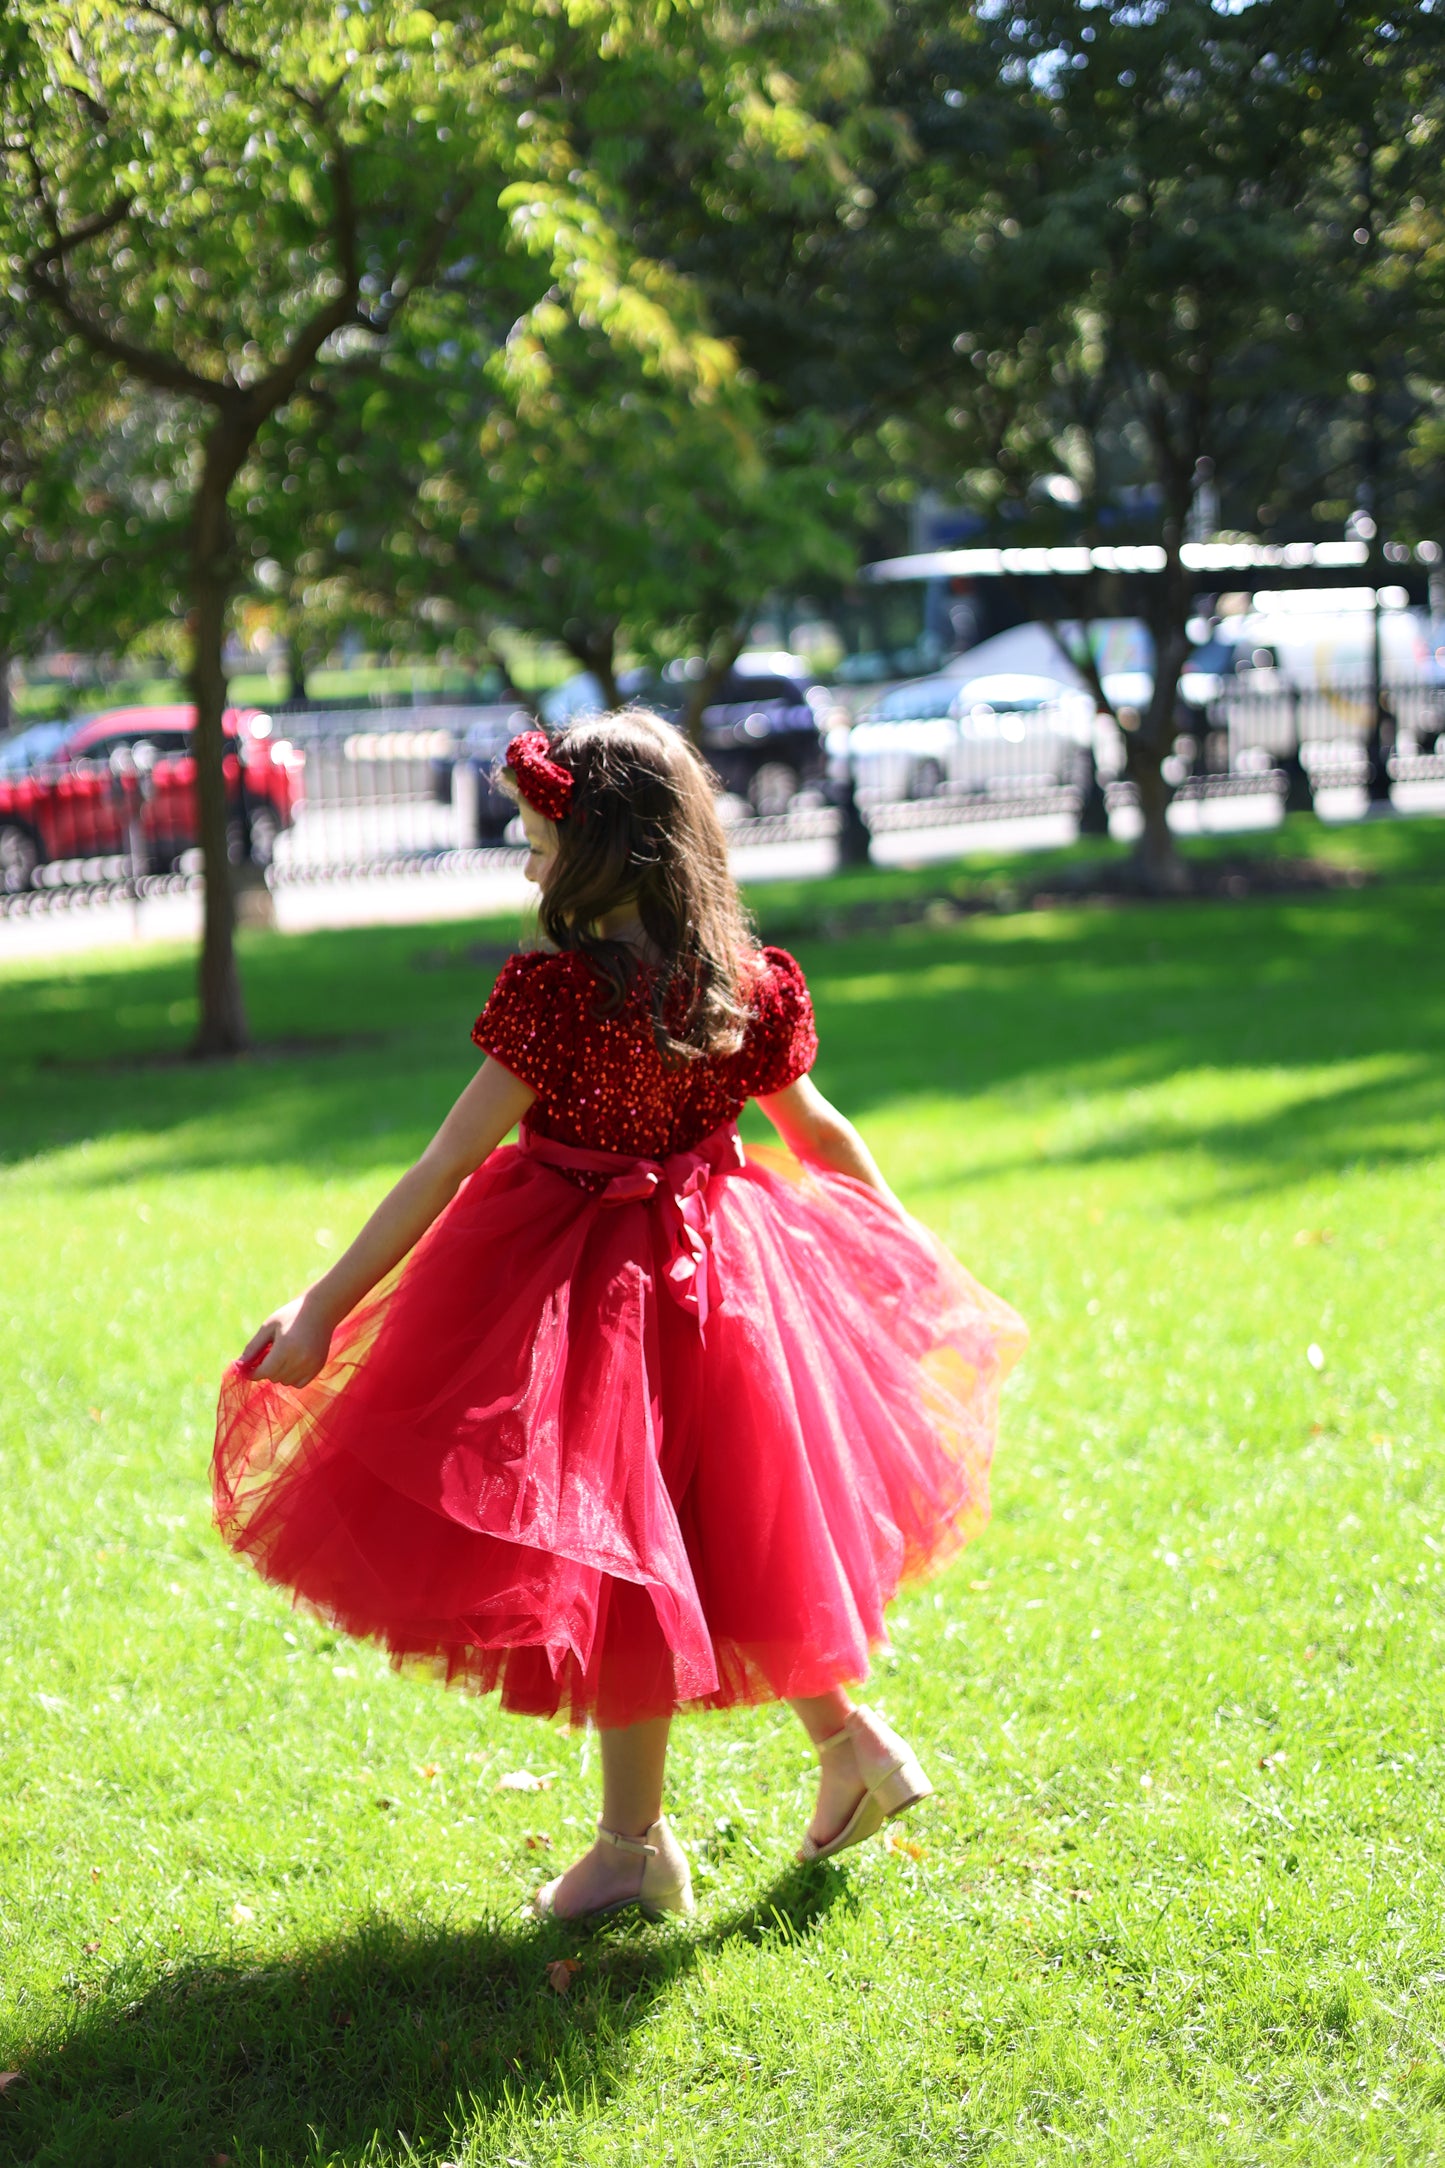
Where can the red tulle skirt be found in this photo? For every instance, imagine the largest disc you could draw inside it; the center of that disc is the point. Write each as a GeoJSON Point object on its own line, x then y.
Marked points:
{"type": "Point", "coordinates": [675, 1443]}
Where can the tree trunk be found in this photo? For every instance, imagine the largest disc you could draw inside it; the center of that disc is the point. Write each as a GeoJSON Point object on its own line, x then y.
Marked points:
{"type": "Point", "coordinates": [296, 695]}
{"type": "Point", "coordinates": [595, 647]}
{"type": "Point", "coordinates": [723, 651]}
{"type": "Point", "coordinates": [605, 671]}
{"type": "Point", "coordinates": [855, 837]}
{"type": "Point", "coordinates": [223, 1028]}
{"type": "Point", "coordinates": [7, 713]}
{"type": "Point", "coordinates": [1160, 868]}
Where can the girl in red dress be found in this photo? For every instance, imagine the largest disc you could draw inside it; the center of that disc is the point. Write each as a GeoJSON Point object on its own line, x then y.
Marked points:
{"type": "Point", "coordinates": [622, 1418]}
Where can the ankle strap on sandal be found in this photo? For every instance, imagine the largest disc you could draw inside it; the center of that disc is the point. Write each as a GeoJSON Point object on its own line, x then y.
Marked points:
{"type": "Point", "coordinates": [627, 1844]}
{"type": "Point", "coordinates": [821, 1746]}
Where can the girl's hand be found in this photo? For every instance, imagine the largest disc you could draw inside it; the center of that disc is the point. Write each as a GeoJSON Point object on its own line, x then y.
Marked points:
{"type": "Point", "coordinates": [295, 1340]}
{"type": "Point", "coordinates": [293, 1343]}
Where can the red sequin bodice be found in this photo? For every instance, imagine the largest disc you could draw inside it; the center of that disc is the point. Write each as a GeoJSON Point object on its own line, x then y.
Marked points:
{"type": "Point", "coordinates": [599, 1077]}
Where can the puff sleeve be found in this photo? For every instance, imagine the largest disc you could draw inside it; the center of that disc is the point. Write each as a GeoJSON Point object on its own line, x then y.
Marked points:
{"type": "Point", "coordinates": [782, 1040]}
{"type": "Point", "coordinates": [529, 1024]}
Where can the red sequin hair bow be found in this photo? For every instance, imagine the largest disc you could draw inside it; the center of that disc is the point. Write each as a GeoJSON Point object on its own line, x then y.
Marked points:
{"type": "Point", "coordinates": [543, 782]}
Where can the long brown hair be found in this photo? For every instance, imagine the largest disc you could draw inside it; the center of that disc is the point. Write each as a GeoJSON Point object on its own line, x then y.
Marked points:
{"type": "Point", "coordinates": [643, 829]}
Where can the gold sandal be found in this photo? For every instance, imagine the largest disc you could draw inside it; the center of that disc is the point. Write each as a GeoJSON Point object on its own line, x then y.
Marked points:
{"type": "Point", "coordinates": [896, 1784]}
{"type": "Point", "coordinates": [666, 1882]}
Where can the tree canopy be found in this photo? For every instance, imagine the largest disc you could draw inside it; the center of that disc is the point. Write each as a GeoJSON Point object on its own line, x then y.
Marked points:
{"type": "Point", "coordinates": [226, 201]}
{"type": "Point", "coordinates": [1126, 258]}
{"type": "Point", "coordinates": [605, 322]}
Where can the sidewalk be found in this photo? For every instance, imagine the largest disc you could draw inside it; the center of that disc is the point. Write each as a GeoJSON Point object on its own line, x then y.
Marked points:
{"type": "Point", "coordinates": [419, 899]}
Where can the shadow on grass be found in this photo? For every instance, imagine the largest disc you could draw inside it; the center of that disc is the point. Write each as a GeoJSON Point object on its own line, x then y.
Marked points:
{"type": "Point", "coordinates": [384, 2033]}
{"type": "Point", "coordinates": [1043, 1004]}
{"type": "Point", "coordinates": [1387, 1121]}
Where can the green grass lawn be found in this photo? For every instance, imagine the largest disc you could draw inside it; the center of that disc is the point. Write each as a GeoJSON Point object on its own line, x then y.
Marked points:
{"type": "Point", "coordinates": [1180, 1896]}
{"type": "Point", "coordinates": [536, 666]}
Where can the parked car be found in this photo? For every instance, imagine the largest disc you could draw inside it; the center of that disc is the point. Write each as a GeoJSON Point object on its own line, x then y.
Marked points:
{"type": "Point", "coordinates": [1002, 731]}
{"type": "Point", "coordinates": [1302, 660]}
{"type": "Point", "coordinates": [473, 762]}
{"type": "Point", "coordinates": [26, 750]}
{"type": "Point", "coordinates": [902, 743]}
{"type": "Point", "coordinates": [761, 736]}
{"type": "Point", "coordinates": [79, 799]}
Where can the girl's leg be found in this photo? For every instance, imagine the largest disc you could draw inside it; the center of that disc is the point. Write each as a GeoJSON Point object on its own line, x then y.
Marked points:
{"type": "Point", "coordinates": [633, 1762]}
{"type": "Point", "coordinates": [840, 1786]}
{"type": "Point", "coordinates": [633, 1765]}
{"type": "Point", "coordinates": [869, 1752]}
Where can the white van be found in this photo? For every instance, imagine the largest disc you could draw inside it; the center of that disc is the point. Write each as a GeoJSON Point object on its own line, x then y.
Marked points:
{"type": "Point", "coordinates": [1321, 639]}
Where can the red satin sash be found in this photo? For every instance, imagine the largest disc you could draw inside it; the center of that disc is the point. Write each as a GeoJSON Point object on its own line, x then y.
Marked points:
{"type": "Point", "coordinates": [679, 1185]}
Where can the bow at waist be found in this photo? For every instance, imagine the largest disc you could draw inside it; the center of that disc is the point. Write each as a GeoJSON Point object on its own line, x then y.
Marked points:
{"type": "Point", "coordinates": [679, 1184]}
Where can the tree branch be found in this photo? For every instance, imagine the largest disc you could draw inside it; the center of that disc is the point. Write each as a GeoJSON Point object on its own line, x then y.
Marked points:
{"type": "Point", "coordinates": [276, 387]}
{"type": "Point", "coordinates": [104, 222]}
{"type": "Point", "coordinates": [425, 268]}
{"type": "Point", "coordinates": [248, 63]}
{"type": "Point", "coordinates": [1087, 663]}
{"type": "Point", "coordinates": [93, 105]}
{"type": "Point", "coordinates": [159, 370]}
{"type": "Point", "coordinates": [45, 277]}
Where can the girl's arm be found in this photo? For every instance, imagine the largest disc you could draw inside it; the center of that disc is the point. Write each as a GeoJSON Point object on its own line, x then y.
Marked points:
{"type": "Point", "coordinates": [297, 1337]}
{"type": "Point", "coordinates": [813, 1129]}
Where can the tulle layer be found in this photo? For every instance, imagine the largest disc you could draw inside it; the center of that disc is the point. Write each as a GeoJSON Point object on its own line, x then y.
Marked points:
{"type": "Point", "coordinates": [529, 1465]}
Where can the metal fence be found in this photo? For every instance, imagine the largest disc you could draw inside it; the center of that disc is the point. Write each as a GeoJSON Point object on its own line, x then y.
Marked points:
{"type": "Point", "coordinates": [383, 798]}
{"type": "Point", "coordinates": [379, 794]}
{"type": "Point", "coordinates": [1255, 726]}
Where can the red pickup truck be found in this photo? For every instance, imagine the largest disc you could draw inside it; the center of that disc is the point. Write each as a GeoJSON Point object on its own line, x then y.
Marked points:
{"type": "Point", "coordinates": [81, 799]}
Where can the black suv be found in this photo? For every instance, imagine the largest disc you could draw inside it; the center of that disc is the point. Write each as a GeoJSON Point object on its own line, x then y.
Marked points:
{"type": "Point", "coordinates": [762, 740]}
{"type": "Point", "coordinates": [473, 762]}
{"type": "Point", "coordinates": [761, 735]}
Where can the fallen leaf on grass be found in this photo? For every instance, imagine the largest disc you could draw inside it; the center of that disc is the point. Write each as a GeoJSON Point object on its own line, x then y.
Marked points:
{"type": "Point", "coordinates": [906, 1846]}
{"type": "Point", "coordinates": [9, 2078]}
{"type": "Point", "coordinates": [90, 1949]}
{"type": "Point", "coordinates": [537, 1840]}
{"type": "Point", "coordinates": [95, 1874]}
{"type": "Point", "coordinates": [429, 1769]}
{"type": "Point", "coordinates": [522, 1780]}
{"type": "Point", "coordinates": [561, 1971]}
{"type": "Point", "coordinates": [219, 2160]}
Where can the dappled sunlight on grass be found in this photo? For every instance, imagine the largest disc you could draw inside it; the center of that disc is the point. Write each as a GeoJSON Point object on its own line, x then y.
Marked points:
{"type": "Point", "coordinates": [1178, 1896]}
